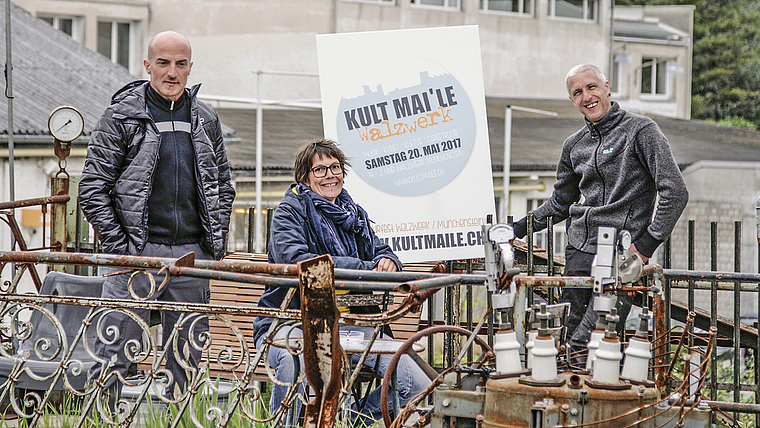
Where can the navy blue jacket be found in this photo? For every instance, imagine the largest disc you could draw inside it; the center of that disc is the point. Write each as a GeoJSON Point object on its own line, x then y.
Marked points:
{"type": "Point", "coordinates": [293, 240]}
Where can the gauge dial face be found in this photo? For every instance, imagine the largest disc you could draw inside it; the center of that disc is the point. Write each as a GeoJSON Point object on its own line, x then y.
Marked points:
{"type": "Point", "coordinates": [66, 123]}
{"type": "Point", "coordinates": [501, 233]}
{"type": "Point", "coordinates": [625, 239]}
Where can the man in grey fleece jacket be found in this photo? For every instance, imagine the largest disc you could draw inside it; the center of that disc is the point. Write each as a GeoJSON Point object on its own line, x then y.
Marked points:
{"type": "Point", "coordinates": [617, 171]}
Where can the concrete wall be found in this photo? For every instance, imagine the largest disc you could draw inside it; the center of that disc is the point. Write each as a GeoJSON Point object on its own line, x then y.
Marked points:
{"type": "Point", "coordinates": [235, 39]}
{"type": "Point", "coordinates": [523, 56]}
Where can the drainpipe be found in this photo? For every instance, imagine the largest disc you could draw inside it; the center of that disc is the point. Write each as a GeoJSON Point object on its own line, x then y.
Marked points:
{"type": "Point", "coordinates": [9, 95]}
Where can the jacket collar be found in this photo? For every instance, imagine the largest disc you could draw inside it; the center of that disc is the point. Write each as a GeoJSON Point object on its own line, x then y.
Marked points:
{"type": "Point", "coordinates": [130, 100]}
{"type": "Point", "coordinates": [609, 121]}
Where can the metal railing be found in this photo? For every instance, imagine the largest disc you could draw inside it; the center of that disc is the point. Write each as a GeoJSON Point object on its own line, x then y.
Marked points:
{"type": "Point", "coordinates": [55, 358]}
{"type": "Point", "coordinates": [540, 268]}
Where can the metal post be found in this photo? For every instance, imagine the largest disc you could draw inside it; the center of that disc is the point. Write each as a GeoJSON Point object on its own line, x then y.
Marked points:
{"type": "Point", "coordinates": [507, 161]}
{"type": "Point", "coordinates": [9, 95]}
{"type": "Point", "coordinates": [251, 229]}
{"type": "Point", "coordinates": [714, 308]}
{"type": "Point", "coordinates": [737, 312]}
{"type": "Point", "coordinates": [259, 145]}
{"type": "Point", "coordinates": [508, 152]}
{"type": "Point", "coordinates": [59, 185]}
{"type": "Point", "coordinates": [691, 252]}
{"type": "Point", "coordinates": [757, 325]}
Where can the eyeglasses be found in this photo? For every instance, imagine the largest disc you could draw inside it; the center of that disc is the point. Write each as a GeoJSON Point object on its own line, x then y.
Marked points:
{"type": "Point", "coordinates": [321, 171]}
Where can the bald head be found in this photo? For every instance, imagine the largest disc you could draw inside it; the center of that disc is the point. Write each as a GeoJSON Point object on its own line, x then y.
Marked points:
{"type": "Point", "coordinates": [168, 38]}
{"type": "Point", "coordinates": [169, 64]}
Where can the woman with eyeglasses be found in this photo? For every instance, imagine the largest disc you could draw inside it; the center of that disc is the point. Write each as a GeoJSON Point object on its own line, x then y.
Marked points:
{"type": "Point", "coordinates": [317, 216]}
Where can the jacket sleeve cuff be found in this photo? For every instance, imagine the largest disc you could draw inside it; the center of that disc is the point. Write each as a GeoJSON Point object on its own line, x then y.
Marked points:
{"type": "Point", "coordinates": [521, 227]}
{"type": "Point", "coordinates": [647, 244]}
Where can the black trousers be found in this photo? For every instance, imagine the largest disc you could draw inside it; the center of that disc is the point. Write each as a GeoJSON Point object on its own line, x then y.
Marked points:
{"type": "Point", "coordinates": [582, 318]}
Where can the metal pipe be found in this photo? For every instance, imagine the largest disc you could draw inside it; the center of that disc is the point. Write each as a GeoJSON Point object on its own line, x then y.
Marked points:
{"type": "Point", "coordinates": [685, 275]}
{"type": "Point", "coordinates": [152, 304]}
{"type": "Point", "coordinates": [56, 199]}
{"type": "Point", "coordinates": [690, 258]}
{"type": "Point", "coordinates": [540, 186]}
{"type": "Point", "coordinates": [9, 96]}
{"type": "Point", "coordinates": [714, 308]}
{"type": "Point", "coordinates": [259, 145]}
{"type": "Point", "coordinates": [280, 282]}
{"type": "Point", "coordinates": [429, 283]}
{"type": "Point", "coordinates": [507, 163]}
{"type": "Point", "coordinates": [41, 153]}
{"type": "Point", "coordinates": [113, 260]}
{"type": "Point", "coordinates": [719, 405]}
{"type": "Point", "coordinates": [737, 310]}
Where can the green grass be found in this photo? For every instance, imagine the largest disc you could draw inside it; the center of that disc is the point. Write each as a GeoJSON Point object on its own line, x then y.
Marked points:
{"type": "Point", "coordinates": [207, 411]}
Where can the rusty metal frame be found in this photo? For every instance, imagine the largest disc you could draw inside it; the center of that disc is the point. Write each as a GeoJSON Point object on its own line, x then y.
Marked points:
{"type": "Point", "coordinates": [281, 276]}
{"type": "Point", "coordinates": [277, 275]}
{"type": "Point", "coordinates": [9, 218]}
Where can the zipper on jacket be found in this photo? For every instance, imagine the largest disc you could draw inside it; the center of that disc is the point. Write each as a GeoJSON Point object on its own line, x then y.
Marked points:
{"type": "Point", "coordinates": [176, 172]}
{"type": "Point", "coordinates": [595, 131]}
{"type": "Point", "coordinates": [195, 117]}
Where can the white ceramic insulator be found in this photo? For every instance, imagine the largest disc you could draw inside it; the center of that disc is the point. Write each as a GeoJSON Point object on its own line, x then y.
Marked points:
{"type": "Point", "coordinates": [607, 362]}
{"type": "Point", "coordinates": [529, 346]}
{"type": "Point", "coordinates": [544, 359]}
{"type": "Point", "coordinates": [593, 345]}
{"type": "Point", "coordinates": [507, 350]}
{"type": "Point", "coordinates": [637, 356]}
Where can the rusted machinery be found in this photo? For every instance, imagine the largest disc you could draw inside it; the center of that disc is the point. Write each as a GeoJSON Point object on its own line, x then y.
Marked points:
{"type": "Point", "coordinates": [539, 394]}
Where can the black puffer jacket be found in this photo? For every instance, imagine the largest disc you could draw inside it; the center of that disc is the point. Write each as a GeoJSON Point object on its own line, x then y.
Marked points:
{"type": "Point", "coordinates": [118, 173]}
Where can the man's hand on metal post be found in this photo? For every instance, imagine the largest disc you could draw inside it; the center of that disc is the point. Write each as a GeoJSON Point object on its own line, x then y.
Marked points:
{"type": "Point", "coordinates": [644, 258]}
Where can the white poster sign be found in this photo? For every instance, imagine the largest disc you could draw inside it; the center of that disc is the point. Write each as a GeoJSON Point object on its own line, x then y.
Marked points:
{"type": "Point", "coordinates": [408, 109]}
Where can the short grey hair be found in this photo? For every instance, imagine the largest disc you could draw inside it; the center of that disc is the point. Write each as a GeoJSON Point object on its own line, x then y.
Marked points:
{"type": "Point", "coordinates": [582, 68]}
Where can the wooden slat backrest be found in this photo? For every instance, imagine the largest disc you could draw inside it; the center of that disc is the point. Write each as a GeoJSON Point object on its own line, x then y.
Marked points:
{"type": "Point", "coordinates": [247, 295]}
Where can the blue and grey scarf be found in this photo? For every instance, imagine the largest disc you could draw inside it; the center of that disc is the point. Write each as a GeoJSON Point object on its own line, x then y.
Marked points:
{"type": "Point", "coordinates": [341, 227]}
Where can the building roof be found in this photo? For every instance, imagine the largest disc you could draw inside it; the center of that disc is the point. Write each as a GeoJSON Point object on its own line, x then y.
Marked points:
{"type": "Point", "coordinates": [50, 69]}
{"type": "Point", "coordinates": [645, 30]}
{"type": "Point", "coordinates": [536, 140]}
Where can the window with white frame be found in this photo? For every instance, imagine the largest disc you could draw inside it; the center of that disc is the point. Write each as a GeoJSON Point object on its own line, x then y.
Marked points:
{"type": "Point", "coordinates": [541, 239]}
{"type": "Point", "coordinates": [71, 25]}
{"type": "Point", "coordinates": [446, 4]}
{"type": "Point", "coordinates": [522, 7]}
{"type": "Point", "coordinates": [654, 76]}
{"type": "Point", "coordinates": [114, 41]}
{"type": "Point", "coordinates": [584, 10]}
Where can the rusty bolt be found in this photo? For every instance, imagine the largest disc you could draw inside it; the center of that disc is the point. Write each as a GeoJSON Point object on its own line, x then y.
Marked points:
{"type": "Point", "coordinates": [479, 417]}
{"type": "Point", "coordinates": [565, 408]}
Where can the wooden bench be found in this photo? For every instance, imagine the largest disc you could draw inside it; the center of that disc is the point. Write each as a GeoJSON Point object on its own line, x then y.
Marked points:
{"type": "Point", "coordinates": [247, 295]}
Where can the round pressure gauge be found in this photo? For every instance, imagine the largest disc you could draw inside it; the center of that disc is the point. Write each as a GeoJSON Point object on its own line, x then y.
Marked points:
{"type": "Point", "coordinates": [625, 239]}
{"type": "Point", "coordinates": [66, 123]}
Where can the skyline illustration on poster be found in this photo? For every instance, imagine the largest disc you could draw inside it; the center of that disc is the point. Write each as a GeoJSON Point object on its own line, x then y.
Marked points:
{"type": "Point", "coordinates": [412, 140]}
